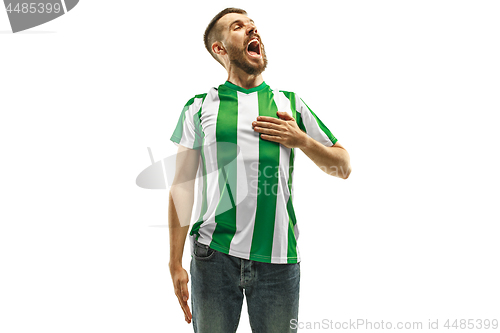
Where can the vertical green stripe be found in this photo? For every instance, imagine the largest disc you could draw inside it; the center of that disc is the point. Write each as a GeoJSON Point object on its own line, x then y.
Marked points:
{"type": "Point", "coordinates": [178, 131]}
{"type": "Point", "coordinates": [292, 245]}
{"type": "Point", "coordinates": [226, 132]}
{"type": "Point", "coordinates": [177, 135]}
{"type": "Point", "coordinates": [321, 125]}
{"type": "Point", "coordinates": [295, 114]}
{"type": "Point", "coordinates": [289, 204]}
{"type": "Point", "coordinates": [204, 204]}
{"type": "Point", "coordinates": [269, 159]}
{"type": "Point", "coordinates": [199, 135]}
{"type": "Point", "coordinates": [292, 241]}
{"type": "Point", "coordinates": [300, 122]}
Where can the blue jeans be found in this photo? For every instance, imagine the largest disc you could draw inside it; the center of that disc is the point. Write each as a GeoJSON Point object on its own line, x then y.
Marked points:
{"type": "Point", "coordinates": [218, 282]}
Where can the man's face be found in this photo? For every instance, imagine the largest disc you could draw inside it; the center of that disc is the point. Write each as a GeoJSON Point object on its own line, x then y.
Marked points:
{"type": "Point", "coordinates": [243, 44]}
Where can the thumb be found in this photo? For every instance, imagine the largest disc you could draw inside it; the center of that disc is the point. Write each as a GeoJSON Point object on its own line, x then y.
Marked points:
{"type": "Point", "coordinates": [284, 115]}
{"type": "Point", "coordinates": [185, 292]}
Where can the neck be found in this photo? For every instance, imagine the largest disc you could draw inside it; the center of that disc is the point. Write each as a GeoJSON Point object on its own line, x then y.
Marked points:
{"type": "Point", "coordinates": [240, 78]}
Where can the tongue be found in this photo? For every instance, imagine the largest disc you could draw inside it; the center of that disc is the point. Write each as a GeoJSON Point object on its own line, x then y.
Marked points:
{"type": "Point", "coordinates": [253, 48]}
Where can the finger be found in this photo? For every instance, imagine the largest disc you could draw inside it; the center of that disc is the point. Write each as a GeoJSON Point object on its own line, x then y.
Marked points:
{"type": "Point", "coordinates": [186, 310]}
{"type": "Point", "coordinates": [284, 115]}
{"type": "Point", "coordinates": [189, 315]}
{"type": "Point", "coordinates": [270, 119]}
{"type": "Point", "coordinates": [267, 125]}
{"type": "Point", "coordinates": [181, 303]}
{"type": "Point", "coordinates": [269, 131]}
{"type": "Point", "coordinates": [273, 138]}
{"type": "Point", "coordinates": [185, 306]}
{"type": "Point", "coordinates": [185, 292]}
{"type": "Point", "coordinates": [180, 295]}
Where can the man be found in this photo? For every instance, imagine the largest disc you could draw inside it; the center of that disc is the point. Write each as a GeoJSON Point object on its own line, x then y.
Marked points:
{"type": "Point", "coordinates": [238, 140]}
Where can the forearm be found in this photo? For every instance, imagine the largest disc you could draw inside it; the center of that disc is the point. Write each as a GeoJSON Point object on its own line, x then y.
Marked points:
{"type": "Point", "coordinates": [333, 160]}
{"type": "Point", "coordinates": [178, 234]}
{"type": "Point", "coordinates": [179, 214]}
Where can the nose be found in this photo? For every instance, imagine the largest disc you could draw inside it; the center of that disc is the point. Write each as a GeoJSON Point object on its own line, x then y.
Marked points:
{"type": "Point", "coordinates": [252, 29]}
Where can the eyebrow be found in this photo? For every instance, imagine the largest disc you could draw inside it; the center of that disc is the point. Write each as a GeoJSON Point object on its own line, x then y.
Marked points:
{"type": "Point", "coordinates": [239, 21]}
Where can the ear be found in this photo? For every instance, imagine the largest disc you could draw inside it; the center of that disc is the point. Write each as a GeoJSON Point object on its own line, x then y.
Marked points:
{"type": "Point", "coordinates": [218, 48]}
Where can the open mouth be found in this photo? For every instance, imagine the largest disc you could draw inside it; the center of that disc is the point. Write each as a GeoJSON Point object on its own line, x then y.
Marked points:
{"type": "Point", "coordinates": [253, 48]}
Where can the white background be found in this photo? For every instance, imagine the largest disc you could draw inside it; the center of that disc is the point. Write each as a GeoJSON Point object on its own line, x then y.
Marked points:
{"type": "Point", "coordinates": [410, 88]}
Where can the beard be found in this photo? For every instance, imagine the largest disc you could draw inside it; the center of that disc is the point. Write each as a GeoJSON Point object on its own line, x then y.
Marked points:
{"type": "Point", "coordinates": [238, 57]}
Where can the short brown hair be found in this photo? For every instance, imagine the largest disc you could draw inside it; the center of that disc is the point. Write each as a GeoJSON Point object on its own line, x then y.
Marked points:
{"type": "Point", "coordinates": [213, 33]}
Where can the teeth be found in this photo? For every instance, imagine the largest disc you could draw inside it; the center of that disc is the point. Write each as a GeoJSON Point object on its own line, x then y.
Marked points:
{"type": "Point", "coordinates": [255, 48]}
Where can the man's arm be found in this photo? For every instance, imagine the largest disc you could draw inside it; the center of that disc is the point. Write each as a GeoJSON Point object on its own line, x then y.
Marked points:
{"type": "Point", "coordinates": [333, 160]}
{"type": "Point", "coordinates": [180, 204]}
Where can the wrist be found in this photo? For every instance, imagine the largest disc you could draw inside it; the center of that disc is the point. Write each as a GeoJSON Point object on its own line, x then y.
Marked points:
{"type": "Point", "coordinates": [174, 264]}
{"type": "Point", "coordinates": [305, 142]}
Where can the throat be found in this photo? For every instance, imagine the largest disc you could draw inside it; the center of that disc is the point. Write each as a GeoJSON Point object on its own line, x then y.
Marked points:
{"type": "Point", "coordinates": [245, 80]}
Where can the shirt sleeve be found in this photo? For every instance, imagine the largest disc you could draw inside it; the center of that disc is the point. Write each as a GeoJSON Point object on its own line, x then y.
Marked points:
{"type": "Point", "coordinates": [312, 125]}
{"type": "Point", "coordinates": [187, 133]}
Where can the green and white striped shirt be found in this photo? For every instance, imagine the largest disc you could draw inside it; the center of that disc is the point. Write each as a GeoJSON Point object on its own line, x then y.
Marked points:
{"type": "Point", "coordinates": [243, 205]}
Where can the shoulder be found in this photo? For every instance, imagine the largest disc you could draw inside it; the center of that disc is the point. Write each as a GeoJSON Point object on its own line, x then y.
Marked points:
{"type": "Point", "coordinates": [284, 91]}
{"type": "Point", "coordinates": [287, 93]}
{"type": "Point", "coordinates": [290, 95]}
{"type": "Point", "coordinates": [195, 98]}
{"type": "Point", "coordinates": [196, 101]}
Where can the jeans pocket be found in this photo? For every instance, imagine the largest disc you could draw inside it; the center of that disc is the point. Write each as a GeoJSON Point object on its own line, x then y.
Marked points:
{"type": "Point", "coordinates": [202, 251]}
